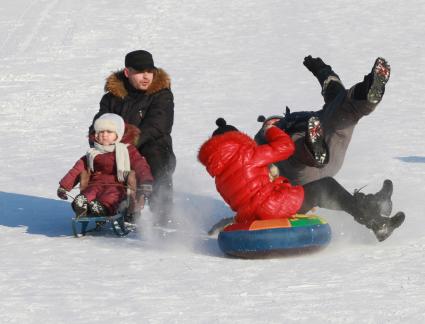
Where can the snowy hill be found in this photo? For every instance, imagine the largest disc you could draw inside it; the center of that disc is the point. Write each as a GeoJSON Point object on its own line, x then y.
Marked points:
{"type": "Point", "coordinates": [235, 59]}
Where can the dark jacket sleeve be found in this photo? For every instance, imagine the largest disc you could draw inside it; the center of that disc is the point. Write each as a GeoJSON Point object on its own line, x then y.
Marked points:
{"type": "Point", "coordinates": [159, 119]}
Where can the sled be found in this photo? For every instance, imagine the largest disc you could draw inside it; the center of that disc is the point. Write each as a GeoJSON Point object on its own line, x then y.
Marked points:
{"type": "Point", "coordinates": [132, 204]}
{"type": "Point", "coordinates": [80, 225]}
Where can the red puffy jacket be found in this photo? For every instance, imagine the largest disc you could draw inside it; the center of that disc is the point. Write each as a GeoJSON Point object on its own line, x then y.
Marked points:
{"type": "Point", "coordinates": [241, 172]}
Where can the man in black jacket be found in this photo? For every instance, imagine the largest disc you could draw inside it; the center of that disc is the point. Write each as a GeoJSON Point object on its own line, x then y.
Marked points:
{"type": "Point", "coordinates": [141, 94]}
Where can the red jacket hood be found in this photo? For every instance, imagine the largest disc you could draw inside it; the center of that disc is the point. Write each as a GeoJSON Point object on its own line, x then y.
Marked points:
{"type": "Point", "coordinates": [216, 152]}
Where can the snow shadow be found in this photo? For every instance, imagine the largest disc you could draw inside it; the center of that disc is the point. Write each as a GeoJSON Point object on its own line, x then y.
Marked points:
{"type": "Point", "coordinates": [193, 216]}
{"type": "Point", "coordinates": [411, 159]}
{"type": "Point", "coordinates": [39, 215]}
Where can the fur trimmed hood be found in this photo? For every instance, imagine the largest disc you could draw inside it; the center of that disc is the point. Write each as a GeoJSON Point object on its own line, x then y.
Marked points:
{"type": "Point", "coordinates": [115, 83]}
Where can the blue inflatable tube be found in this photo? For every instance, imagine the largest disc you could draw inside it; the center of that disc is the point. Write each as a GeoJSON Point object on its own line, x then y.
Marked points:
{"type": "Point", "coordinates": [302, 233]}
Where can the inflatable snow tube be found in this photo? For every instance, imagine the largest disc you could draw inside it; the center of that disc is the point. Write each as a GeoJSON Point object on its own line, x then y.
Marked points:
{"type": "Point", "coordinates": [275, 236]}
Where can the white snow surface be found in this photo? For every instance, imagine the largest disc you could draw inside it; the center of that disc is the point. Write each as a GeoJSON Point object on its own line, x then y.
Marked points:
{"type": "Point", "coordinates": [234, 59]}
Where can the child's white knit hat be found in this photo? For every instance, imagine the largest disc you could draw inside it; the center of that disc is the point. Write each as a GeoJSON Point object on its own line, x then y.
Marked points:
{"type": "Point", "coordinates": [110, 122]}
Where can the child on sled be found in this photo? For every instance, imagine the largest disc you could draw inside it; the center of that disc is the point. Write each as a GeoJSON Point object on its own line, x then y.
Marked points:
{"type": "Point", "coordinates": [107, 169]}
{"type": "Point", "coordinates": [241, 171]}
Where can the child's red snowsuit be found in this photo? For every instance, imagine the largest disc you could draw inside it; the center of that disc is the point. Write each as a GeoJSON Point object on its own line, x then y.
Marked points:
{"type": "Point", "coordinates": [241, 172]}
{"type": "Point", "coordinates": [103, 183]}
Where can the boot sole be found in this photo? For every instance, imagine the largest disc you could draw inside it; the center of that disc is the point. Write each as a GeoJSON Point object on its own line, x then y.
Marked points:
{"type": "Point", "coordinates": [381, 75]}
{"type": "Point", "coordinates": [394, 223]}
{"type": "Point", "coordinates": [397, 220]}
{"type": "Point", "coordinates": [316, 140]}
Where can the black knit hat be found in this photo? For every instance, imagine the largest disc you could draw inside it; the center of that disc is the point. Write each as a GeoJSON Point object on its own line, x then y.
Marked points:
{"type": "Point", "coordinates": [223, 127]}
{"type": "Point", "coordinates": [139, 60]}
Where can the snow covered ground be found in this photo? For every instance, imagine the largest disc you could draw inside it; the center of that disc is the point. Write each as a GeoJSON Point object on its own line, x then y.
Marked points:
{"type": "Point", "coordinates": [235, 59]}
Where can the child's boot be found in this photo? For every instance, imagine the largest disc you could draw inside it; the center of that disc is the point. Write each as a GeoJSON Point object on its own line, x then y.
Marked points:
{"type": "Point", "coordinates": [79, 205]}
{"type": "Point", "coordinates": [97, 208]}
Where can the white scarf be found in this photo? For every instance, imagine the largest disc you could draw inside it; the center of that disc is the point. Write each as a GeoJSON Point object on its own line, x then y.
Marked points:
{"type": "Point", "coordinates": [122, 157]}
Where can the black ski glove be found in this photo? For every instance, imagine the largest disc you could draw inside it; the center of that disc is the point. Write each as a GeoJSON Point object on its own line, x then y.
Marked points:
{"type": "Point", "coordinates": [314, 65]}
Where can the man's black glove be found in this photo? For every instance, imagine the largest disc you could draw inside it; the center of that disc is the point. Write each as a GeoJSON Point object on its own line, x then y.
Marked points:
{"type": "Point", "coordinates": [145, 189]}
{"type": "Point", "coordinates": [314, 64]}
{"type": "Point", "coordinates": [62, 193]}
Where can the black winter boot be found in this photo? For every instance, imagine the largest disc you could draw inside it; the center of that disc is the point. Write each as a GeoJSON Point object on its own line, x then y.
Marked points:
{"type": "Point", "coordinates": [373, 86]}
{"type": "Point", "coordinates": [79, 205]}
{"type": "Point", "coordinates": [97, 208]}
{"type": "Point", "coordinates": [384, 228]}
{"type": "Point", "coordinates": [133, 217]}
{"type": "Point", "coordinates": [371, 208]}
{"type": "Point", "coordinates": [380, 74]}
{"type": "Point", "coordinates": [382, 198]}
{"type": "Point", "coordinates": [316, 142]}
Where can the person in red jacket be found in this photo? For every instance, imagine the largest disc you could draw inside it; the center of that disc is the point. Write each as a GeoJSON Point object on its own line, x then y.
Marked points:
{"type": "Point", "coordinates": [241, 171]}
{"type": "Point", "coordinates": [109, 163]}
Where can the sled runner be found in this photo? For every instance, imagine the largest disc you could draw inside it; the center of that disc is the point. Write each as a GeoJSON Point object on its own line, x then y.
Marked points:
{"type": "Point", "coordinates": [276, 236]}
{"type": "Point", "coordinates": [80, 225]}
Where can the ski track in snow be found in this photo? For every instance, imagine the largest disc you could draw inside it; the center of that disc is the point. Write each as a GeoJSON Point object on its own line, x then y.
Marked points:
{"type": "Point", "coordinates": [237, 60]}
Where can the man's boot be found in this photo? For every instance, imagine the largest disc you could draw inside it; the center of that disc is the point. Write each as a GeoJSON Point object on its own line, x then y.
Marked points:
{"type": "Point", "coordinates": [384, 227]}
{"type": "Point", "coordinates": [380, 76]}
{"type": "Point", "coordinates": [382, 198]}
{"type": "Point", "coordinates": [370, 209]}
{"type": "Point", "coordinates": [373, 86]}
